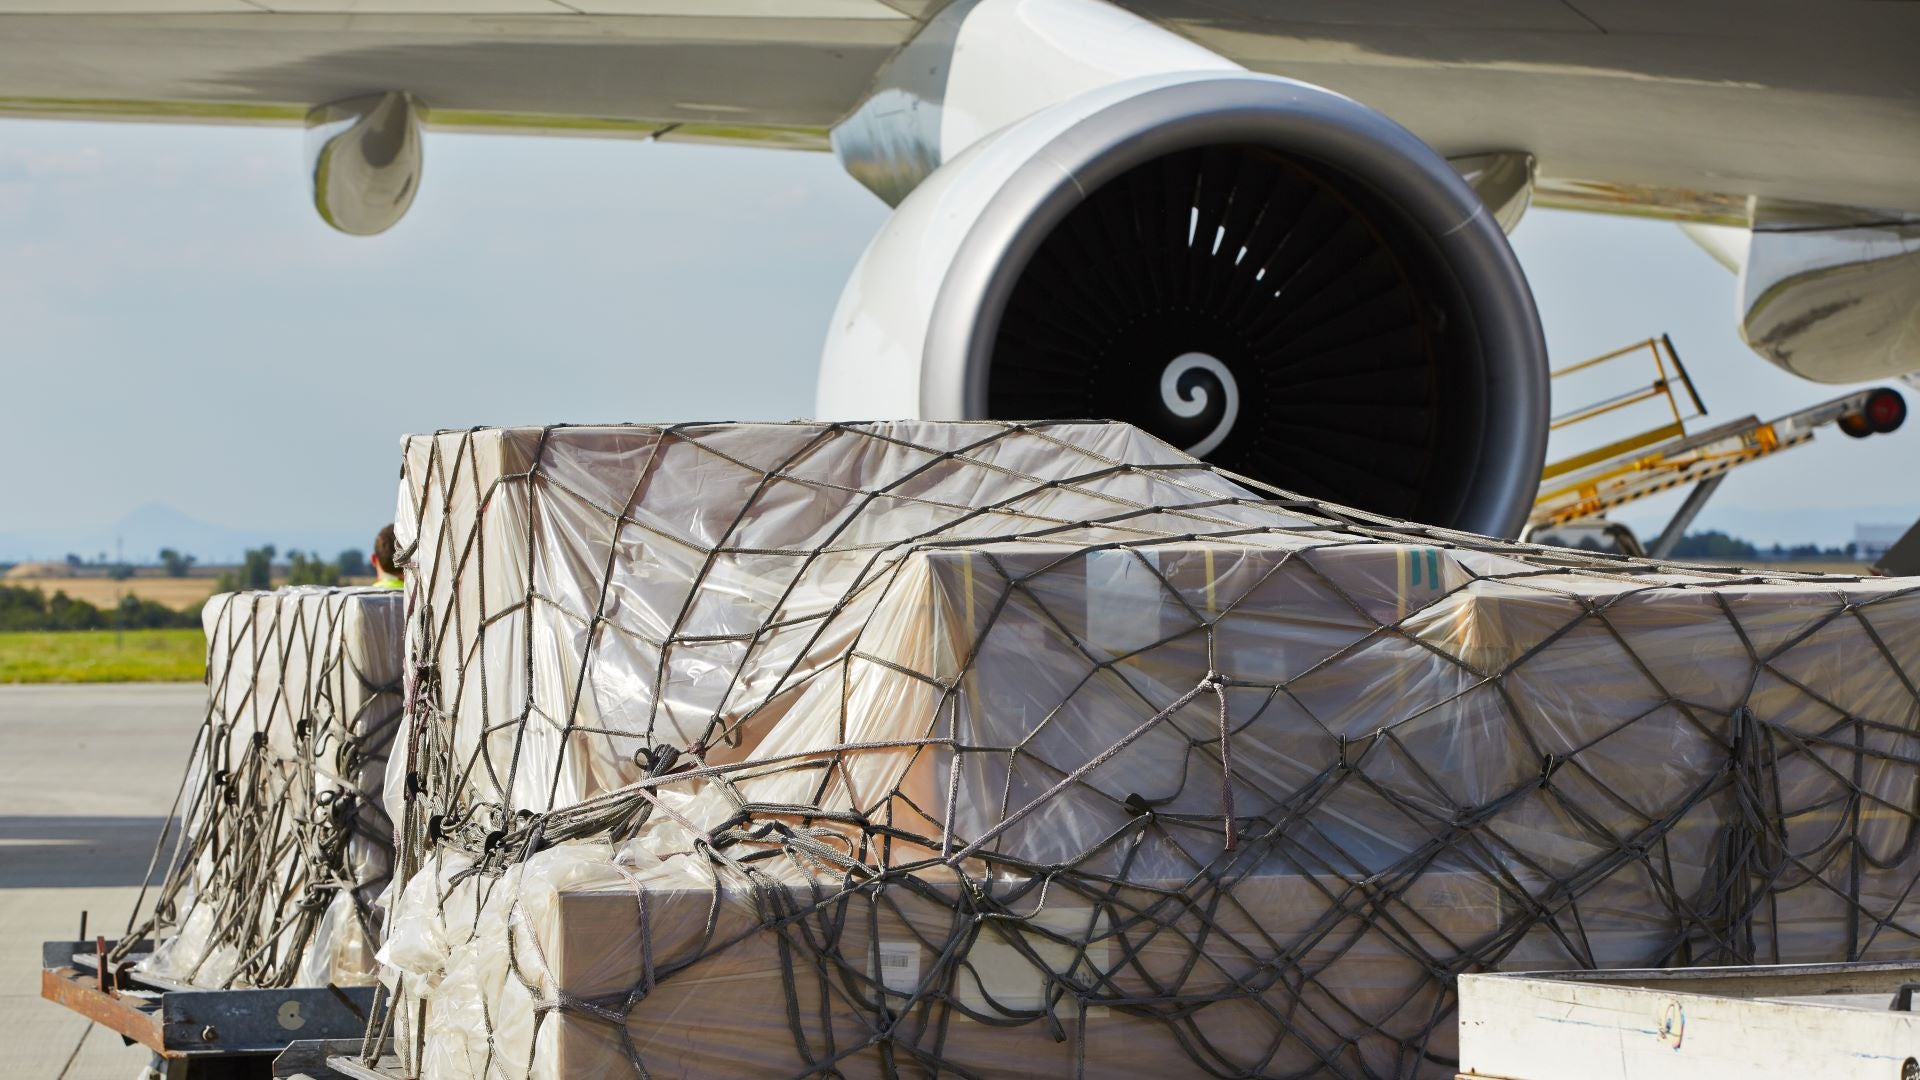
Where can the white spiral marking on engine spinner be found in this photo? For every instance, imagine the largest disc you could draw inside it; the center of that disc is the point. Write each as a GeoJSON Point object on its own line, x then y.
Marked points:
{"type": "Point", "coordinates": [1196, 401]}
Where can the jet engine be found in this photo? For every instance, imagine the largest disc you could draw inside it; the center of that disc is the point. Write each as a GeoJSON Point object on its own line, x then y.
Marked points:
{"type": "Point", "coordinates": [1261, 272]}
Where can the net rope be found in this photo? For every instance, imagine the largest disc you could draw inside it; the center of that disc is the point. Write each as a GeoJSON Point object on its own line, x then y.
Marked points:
{"type": "Point", "coordinates": [280, 817]}
{"type": "Point", "coordinates": [1045, 740]}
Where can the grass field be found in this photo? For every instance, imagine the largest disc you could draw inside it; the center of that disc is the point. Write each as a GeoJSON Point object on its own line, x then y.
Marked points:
{"type": "Point", "coordinates": [92, 656]}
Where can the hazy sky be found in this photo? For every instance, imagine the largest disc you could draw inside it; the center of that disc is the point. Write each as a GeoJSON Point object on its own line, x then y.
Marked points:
{"type": "Point", "coordinates": [177, 326]}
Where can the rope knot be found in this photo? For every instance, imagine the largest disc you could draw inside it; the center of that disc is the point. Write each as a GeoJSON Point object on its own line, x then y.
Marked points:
{"type": "Point", "coordinates": [1217, 684]}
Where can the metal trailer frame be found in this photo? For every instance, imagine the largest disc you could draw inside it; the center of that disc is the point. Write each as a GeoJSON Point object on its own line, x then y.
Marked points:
{"type": "Point", "coordinates": [1587, 485]}
{"type": "Point", "coordinates": [195, 1032]}
{"type": "Point", "coordinates": [1855, 1021]}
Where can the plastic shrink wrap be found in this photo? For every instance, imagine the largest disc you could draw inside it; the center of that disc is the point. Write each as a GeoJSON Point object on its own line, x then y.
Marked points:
{"type": "Point", "coordinates": [285, 845]}
{"type": "Point", "coordinates": [986, 749]}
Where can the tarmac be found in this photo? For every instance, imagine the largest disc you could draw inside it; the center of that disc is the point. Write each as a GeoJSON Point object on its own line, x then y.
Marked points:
{"type": "Point", "coordinates": [87, 777]}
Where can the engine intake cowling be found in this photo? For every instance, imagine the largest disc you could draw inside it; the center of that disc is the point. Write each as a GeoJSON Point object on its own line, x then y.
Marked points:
{"type": "Point", "coordinates": [1261, 272]}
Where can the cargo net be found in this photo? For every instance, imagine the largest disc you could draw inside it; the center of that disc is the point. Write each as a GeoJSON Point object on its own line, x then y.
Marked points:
{"type": "Point", "coordinates": [976, 749]}
{"type": "Point", "coordinates": [284, 844]}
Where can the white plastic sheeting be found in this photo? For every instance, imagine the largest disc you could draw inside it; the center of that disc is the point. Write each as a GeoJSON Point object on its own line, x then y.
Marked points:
{"type": "Point", "coordinates": [984, 748]}
{"type": "Point", "coordinates": [286, 844]}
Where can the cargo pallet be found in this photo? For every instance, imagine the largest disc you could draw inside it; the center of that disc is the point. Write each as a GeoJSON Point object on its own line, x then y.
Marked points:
{"type": "Point", "coordinates": [196, 1033]}
{"type": "Point", "coordinates": [348, 1066]}
{"type": "Point", "coordinates": [1788, 1021]}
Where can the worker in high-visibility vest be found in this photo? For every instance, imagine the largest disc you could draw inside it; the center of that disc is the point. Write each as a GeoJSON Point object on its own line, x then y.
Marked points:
{"type": "Point", "coordinates": [386, 575]}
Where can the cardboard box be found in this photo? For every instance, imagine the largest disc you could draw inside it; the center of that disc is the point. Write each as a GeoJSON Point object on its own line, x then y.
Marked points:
{"type": "Point", "coordinates": [862, 978]}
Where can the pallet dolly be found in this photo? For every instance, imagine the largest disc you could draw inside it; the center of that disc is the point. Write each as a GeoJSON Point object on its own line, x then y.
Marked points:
{"type": "Point", "coordinates": [196, 1033]}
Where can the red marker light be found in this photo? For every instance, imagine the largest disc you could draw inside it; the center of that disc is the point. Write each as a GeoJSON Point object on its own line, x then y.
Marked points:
{"type": "Point", "coordinates": [1885, 410]}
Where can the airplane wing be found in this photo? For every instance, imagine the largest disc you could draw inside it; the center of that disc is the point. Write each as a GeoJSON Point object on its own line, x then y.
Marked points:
{"type": "Point", "coordinates": [1676, 110]}
{"type": "Point", "coordinates": [727, 71]}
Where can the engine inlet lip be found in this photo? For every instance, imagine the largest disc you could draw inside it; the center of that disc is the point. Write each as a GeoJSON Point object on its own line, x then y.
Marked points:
{"type": "Point", "coordinates": [1159, 115]}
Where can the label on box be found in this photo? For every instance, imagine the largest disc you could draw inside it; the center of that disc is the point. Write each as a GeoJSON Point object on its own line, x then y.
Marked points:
{"type": "Point", "coordinates": [1005, 974]}
{"type": "Point", "coordinates": [899, 966]}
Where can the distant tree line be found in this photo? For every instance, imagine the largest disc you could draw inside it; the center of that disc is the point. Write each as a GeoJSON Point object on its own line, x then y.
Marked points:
{"type": "Point", "coordinates": [303, 568]}
{"type": "Point", "coordinates": [254, 572]}
{"type": "Point", "coordinates": [29, 608]}
{"type": "Point", "coordinates": [177, 564]}
{"type": "Point", "coordinates": [1715, 544]}
{"type": "Point", "coordinates": [310, 569]}
{"type": "Point", "coordinates": [118, 571]}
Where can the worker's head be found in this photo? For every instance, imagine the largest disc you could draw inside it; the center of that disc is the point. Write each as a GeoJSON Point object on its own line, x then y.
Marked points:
{"type": "Point", "coordinates": [382, 557]}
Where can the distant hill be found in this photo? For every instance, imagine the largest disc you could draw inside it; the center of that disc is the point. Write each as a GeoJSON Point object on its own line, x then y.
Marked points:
{"type": "Point", "coordinates": [143, 532]}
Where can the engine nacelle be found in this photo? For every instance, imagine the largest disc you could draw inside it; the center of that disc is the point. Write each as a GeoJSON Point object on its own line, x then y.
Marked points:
{"type": "Point", "coordinates": [1830, 294]}
{"type": "Point", "coordinates": [1259, 271]}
